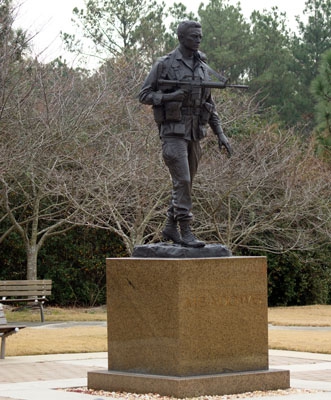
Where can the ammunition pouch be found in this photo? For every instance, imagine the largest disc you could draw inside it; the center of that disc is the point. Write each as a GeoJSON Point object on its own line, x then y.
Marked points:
{"type": "Point", "coordinates": [173, 111]}
{"type": "Point", "coordinates": [206, 111]}
{"type": "Point", "coordinates": [168, 112]}
{"type": "Point", "coordinates": [158, 112]}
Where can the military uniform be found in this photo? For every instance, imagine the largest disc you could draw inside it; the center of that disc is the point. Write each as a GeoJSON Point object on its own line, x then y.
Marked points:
{"type": "Point", "coordinates": [181, 125]}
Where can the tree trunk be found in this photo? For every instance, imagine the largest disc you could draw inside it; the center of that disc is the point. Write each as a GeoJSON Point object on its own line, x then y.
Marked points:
{"type": "Point", "coordinates": [32, 255]}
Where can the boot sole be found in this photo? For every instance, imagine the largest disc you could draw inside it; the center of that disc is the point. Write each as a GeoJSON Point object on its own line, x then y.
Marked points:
{"type": "Point", "coordinates": [195, 246]}
{"type": "Point", "coordinates": [168, 238]}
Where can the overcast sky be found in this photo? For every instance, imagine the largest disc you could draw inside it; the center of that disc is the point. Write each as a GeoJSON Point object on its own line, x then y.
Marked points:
{"type": "Point", "coordinates": [49, 17]}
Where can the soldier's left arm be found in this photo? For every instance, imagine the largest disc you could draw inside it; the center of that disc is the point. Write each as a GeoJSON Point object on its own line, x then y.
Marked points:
{"type": "Point", "coordinates": [216, 126]}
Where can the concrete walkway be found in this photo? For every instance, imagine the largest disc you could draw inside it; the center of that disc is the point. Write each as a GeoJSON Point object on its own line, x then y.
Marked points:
{"type": "Point", "coordinates": [38, 377]}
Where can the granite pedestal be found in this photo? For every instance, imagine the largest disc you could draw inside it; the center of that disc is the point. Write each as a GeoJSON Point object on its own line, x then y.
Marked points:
{"type": "Point", "coordinates": [187, 327]}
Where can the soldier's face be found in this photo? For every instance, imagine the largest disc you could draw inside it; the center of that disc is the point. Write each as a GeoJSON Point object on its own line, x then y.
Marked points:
{"type": "Point", "coordinates": [192, 38]}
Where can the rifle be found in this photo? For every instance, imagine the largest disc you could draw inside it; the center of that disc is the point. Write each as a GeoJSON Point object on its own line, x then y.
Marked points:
{"type": "Point", "coordinates": [206, 84]}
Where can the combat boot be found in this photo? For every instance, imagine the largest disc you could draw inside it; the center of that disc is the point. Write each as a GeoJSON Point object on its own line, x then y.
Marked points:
{"type": "Point", "coordinates": [188, 239]}
{"type": "Point", "coordinates": [170, 231]}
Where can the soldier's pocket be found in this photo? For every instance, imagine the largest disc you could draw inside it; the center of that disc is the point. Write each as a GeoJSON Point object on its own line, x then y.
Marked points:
{"type": "Point", "coordinates": [172, 152]}
{"type": "Point", "coordinates": [172, 129]}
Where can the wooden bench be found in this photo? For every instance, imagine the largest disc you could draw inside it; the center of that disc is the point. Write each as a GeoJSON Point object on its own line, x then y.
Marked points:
{"type": "Point", "coordinates": [27, 291]}
{"type": "Point", "coordinates": [6, 330]}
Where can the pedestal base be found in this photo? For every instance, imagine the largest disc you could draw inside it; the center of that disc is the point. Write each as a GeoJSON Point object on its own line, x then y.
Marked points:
{"type": "Point", "coordinates": [187, 327]}
{"type": "Point", "coordinates": [180, 387]}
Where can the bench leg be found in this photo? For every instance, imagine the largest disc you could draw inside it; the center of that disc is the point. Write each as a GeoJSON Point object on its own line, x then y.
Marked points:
{"type": "Point", "coordinates": [42, 318]}
{"type": "Point", "coordinates": [3, 347]}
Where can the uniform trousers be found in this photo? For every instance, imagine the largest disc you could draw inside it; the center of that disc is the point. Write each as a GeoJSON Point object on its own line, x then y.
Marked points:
{"type": "Point", "coordinates": [182, 157]}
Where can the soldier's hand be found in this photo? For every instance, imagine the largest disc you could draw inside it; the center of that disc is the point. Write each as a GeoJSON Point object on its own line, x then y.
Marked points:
{"type": "Point", "coordinates": [223, 141]}
{"type": "Point", "coordinates": [178, 95]}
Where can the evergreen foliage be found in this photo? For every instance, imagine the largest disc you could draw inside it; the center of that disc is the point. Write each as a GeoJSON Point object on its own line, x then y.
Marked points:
{"type": "Point", "coordinates": [321, 90]}
{"type": "Point", "coordinates": [75, 261]}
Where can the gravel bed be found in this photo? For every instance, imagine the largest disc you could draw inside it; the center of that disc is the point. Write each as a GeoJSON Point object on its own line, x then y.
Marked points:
{"type": "Point", "coordinates": [152, 396]}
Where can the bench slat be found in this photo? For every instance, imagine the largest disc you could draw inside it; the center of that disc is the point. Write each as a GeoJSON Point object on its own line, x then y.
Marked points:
{"type": "Point", "coordinates": [23, 299]}
{"type": "Point", "coordinates": [34, 292]}
{"type": "Point", "coordinates": [9, 328]}
{"type": "Point", "coordinates": [26, 282]}
{"type": "Point", "coordinates": [41, 287]}
{"type": "Point", "coordinates": [36, 284]}
{"type": "Point", "coordinates": [20, 284]}
{"type": "Point", "coordinates": [20, 287]}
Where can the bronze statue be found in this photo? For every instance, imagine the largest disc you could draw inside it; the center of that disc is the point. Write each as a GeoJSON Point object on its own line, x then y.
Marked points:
{"type": "Point", "coordinates": [183, 106]}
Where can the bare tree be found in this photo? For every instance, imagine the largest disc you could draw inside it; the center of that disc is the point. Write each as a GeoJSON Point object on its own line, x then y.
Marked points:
{"type": "Point", "coordinates": [130, 186]}
{"type": "Point", "coordinates": [79, 150]}
{"type": "Point", "coordinates": [45, 138]}
{"type": "Point", "coordinates": [272, 195]}
{"type": "Point", "coordinates": [130, 190]}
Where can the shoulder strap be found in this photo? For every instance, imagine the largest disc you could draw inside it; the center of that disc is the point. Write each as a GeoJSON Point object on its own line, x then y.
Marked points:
{"type": "Point", "coordinates": [220, 77]}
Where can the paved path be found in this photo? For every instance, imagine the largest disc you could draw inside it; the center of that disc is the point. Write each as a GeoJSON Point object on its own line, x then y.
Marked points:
{"type": "Point", "coordinates": [38, 377]}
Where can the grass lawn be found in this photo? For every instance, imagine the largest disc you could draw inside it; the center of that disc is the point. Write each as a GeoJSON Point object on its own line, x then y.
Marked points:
{"type": "Point", "coordinates": [44, 339]}
{"type": "Point", "coordinates": [56, 314]}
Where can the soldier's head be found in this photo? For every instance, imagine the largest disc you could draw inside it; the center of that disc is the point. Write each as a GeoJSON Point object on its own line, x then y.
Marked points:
{"type": "Point", "coordinates": [190, 34]}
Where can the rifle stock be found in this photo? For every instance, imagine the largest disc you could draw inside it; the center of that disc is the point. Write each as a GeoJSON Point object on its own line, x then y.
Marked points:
{"type": "Point", "coordinates": [206, 84]}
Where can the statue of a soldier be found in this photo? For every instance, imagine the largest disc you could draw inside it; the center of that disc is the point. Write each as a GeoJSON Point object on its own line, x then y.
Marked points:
{"type": "Point", "coordinates": [182, 117]}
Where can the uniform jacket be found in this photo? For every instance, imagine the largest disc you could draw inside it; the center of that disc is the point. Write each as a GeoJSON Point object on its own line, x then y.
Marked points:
{"type": "Point", "coordinates": [198, 108]}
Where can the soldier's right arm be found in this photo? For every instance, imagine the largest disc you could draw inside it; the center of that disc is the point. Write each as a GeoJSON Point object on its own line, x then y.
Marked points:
{"type": "Point", "coordinates": [150, 94]}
